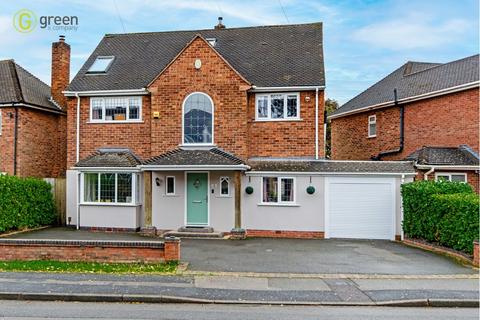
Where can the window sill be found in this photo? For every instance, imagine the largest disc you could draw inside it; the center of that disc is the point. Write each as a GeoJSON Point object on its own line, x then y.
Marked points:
{"type": "Point", "coordinates": [278, 120]}
{"type": "Point", "coordinates": [115, 121]}
{"type": "Point", "coordinates": [371, 137]}
{"type": "Point", "coordinates": [110, 204]}
{"type": "Point", "coordinates": [198, 146]}
{"type": "Point", "coordinates": [171, 195]}
{"type": "Point", "coordinates": [263, 204]}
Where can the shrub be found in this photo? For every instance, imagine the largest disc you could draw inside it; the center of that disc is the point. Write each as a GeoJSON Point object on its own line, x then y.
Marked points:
{"type": "Point", "coordinates": [458, 227]}
{"type": "Point", "coordinates": [25, 203]}
{"type": "Point", "coordinates": [443, 212]}
{"type": "Point", "coordinates": [420, 217]}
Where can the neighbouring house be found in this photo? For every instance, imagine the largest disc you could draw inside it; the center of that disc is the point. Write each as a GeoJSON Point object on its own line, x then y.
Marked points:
{"type": "Point", "coordinates": [425, 112]}
{"type": "Point", "coordinates": [217, 131]}
{"type": "Point", "coordinates": [33, 118]}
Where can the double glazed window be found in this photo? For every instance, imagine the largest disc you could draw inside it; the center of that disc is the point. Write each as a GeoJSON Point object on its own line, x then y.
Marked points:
{"type": "Point", "coordinates": [170, 186]}
{"type": "Point", "coordinates": [224, 186]}
{"type": "Point", "coordinates": [278, 190]}
{"type": "Point", "coordinates": [108, 187]}
{"type": "Point", "coordinates": [453, 177]}
{"type": "Point", "coordinates": [277, 106]}
{"type": "Point", "coordinates": [372, 126]}
{"type": "Point", "coordinates": [198, 119]}
{"type": "Point", "coordinates": [111, 109]}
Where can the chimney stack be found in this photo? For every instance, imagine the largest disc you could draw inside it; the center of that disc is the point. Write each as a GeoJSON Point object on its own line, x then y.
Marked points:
{"type": "Point", "coordinates": [60, 70]}
{"type": "Point", "coordinates": [220, 25]}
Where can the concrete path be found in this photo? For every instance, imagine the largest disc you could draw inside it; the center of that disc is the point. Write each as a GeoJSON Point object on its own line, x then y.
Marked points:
{"type": "Point", "coordinates": [315, 256]}
{"type": "Point", "coordinates": [237, 289]}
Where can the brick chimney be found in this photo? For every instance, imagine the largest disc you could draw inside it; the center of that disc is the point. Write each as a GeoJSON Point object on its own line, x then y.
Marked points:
{"type": "Point", "coordinates": [220, 25]}
{"type": "Point", "coordinates": [60, 70]}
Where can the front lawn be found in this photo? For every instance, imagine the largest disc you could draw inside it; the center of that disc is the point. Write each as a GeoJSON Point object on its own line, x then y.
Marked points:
{"type": "Point", "coordinates": [87, 267]}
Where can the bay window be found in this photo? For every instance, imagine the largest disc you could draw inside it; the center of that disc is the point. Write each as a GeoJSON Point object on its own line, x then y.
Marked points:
{"type": "Point", "coordinates": [107, 187]}
{"type": "Point", "coordinates": [278, 190]}
{"type": "Point", "coordinates": [277, 106]}
{"type": "Point", "coordinates": [111, 109]}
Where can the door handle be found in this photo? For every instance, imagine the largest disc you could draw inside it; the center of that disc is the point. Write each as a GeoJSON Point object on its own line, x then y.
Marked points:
{"type": "Point", "coordinates": [197, 201]}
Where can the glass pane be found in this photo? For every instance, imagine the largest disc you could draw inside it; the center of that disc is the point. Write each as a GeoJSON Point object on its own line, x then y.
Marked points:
{"type": "Point", "coordinates": [134, 108]}
{"type": "Point", "coordinates": [97, 112]}
{"type": "Point", "coordinates": [124, 187]}
{"type": "Point", "coordinates": [270, 189]}
{"type": "Point", "coordinates": [287, 190]}
{"type": "Point", "coordinates": [107, 187]}
{"type": "Point", "coordinates": [458, 178]}
{"type": "Point", "coordinates": [198, 119]}
{"type": "Point", "coordinates": [170, 185]}
{"type": "Point", "coordinates": [224, 186]}
{"type": "Point", "coordinates": [90, 186]}
{"type": "Point", "coordinates": [100, 64]}
{"type": "Point", "coordinates": [115, 109]}
{"type": "Point", "coordinates": [277, 105]}
{"type": "Point", "coordinates": [373, 129]}
{"type": "Point", "coordinates": [292, 106]}
{"type": "Point", "coordinates": [262, 104]}
{"type": "Point", "coordinates": [443, 178]}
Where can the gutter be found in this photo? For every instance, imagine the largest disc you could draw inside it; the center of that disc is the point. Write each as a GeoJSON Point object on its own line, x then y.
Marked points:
{"type": "Point", "coordinates": [447, 167]}
{"type": "Point", "coordinates": [126, 92]}
{"type": "Point", "coordinates": [77, 150]}
{"type": "Point", "coordinates": [280, 89]}
{"type": "Point", "coordinates": [242, 167]}
{"type": "Point", "coordinates": [432, 94]}
{"type": "Point", "coordinates": [326, 173]}
{"type": "Point", "coordinates": [33, 107]}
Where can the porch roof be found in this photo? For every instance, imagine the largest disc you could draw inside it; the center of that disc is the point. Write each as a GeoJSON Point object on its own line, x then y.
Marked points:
{"type": "Point", "coordinates": [110, 158]}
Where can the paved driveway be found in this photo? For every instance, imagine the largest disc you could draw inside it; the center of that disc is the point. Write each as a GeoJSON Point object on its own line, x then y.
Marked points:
{"type": "Point", "coordinates": [315, 256]}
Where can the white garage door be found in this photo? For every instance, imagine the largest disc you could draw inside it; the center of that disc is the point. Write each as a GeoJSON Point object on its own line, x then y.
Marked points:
{"type": "Point", "coordinates": [361, 208]}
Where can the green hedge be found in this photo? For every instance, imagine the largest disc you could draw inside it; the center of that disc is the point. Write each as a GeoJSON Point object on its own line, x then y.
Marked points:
{"type": "Point", "coordinates": [25, 203]}
{"type": "Point", "coordinates": [443, 212]}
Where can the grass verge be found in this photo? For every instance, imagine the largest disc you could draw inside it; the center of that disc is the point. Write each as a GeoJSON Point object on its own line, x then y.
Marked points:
{"type": "Point", "coordinates": [87, 267]}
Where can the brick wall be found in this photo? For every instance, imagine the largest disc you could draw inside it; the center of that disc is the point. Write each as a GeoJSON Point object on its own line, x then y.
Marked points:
{"type": "Point", "coordinates": [41, 145]}
{"type": "Point", "coordinates": [449, 120]}
{"type": "Point", "coordinates": [253, 233]}
{"type": "Point", "coordinates": [89, 251]}
{"type": "Point", "coordinates": [60, 71]}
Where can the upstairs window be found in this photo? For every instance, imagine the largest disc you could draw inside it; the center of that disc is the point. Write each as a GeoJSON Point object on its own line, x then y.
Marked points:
{"type": "Point", "coordinates": [372, 126]}
{"type": "Point", "coordinates": [198, 119]}
{"type": "Point", "coordinates": [277, 106]}
{"type": "Point", "coordinates": [111, 109]}
{"type": "Point", "coordinates": [101, 64]}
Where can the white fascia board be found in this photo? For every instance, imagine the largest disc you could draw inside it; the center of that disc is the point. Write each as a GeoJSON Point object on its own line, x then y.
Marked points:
{"type": "Point", "coordinates": [193, 168]}
{"type": "Point", "coordinates": [285, 89]}
{"type": "Point", "coordinates": [281, 173]}
{"type": "Point", "coordinates": [446, 167]}
{"type": "Point", "coordinates": [432, 94]}
{"type": "Point", "coordinates": [106, 169]}
{"type": "Point", "coordinates": [126, 92]}
{"type": "Point", "coordinates": [9, 105]}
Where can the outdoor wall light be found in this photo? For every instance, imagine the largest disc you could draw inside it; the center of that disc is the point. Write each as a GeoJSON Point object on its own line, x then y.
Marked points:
{"type": "Point", "coordinates": [158, 181]}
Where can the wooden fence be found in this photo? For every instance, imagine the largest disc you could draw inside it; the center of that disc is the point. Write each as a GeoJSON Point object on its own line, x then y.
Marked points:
{"type": "Point", "coordinates": [59, 191]}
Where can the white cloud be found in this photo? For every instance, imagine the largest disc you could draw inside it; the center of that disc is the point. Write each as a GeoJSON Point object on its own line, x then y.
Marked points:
{"type": "Point", "coordinates": [412, 32]}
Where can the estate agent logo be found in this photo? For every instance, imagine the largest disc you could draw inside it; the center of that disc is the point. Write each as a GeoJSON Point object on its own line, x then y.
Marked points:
{"type": "Point", "coordinates": [26, 21]}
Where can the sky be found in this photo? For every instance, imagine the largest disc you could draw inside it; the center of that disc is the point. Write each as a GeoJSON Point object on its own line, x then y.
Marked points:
{"type": "Point", "coordinates": [364, 40]}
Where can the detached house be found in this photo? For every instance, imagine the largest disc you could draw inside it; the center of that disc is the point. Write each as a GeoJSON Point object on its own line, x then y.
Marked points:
{"type": "Point", "coordinates": [33, 118]}
{"type": "Point", "coordinates": [423, 112]}
{"type": "Point", "coordinates": [217, 131]}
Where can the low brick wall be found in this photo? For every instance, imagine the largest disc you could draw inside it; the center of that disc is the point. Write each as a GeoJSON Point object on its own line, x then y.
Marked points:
{"type": "Point", "coordinates": [90, 250]}
{"type": "Point", "coordinates": [476, 254]}
{"type": "Point", "coordinates": [285, 234]}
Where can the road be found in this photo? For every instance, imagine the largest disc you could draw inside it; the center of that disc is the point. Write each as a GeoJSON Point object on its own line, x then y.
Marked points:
{"type": "Point", "coordinates": [71, 310]}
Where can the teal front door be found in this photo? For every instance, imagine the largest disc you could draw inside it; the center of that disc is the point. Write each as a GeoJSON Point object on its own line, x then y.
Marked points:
{"type": "Point", "coordinates": [197, 199]}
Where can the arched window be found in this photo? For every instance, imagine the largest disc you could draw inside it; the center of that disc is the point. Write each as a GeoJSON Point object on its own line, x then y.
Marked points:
{"type": "Point", "coordinates": [198, 119]}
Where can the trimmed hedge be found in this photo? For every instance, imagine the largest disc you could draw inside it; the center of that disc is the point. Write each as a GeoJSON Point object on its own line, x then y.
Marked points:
{"type": "Point", "coordinates": [443, 212]}
{"type": "Point", "coordinates": [25, 203]}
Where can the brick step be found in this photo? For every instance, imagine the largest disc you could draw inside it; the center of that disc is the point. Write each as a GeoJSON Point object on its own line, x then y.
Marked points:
{"type": "Point", "coordinates": [196, 229]}
{"type": "Point", "coordinates": [191, 234]}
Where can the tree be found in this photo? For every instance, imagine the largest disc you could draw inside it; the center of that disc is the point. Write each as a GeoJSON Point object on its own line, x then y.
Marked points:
{"type": "Point", "coordinates": [330, 106]}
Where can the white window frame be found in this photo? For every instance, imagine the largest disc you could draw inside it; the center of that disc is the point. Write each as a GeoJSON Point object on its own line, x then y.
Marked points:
{"type": "Point", "coordinates": [133, 196]}
{"type": "Point", "coordinates": [279, 195]}
{"type": "Point", "coordinates": [127, 115]}
{"type": "Point", "coordinates": [174, 186]}
{"type": "Point", "coordinates": [372, 120]}
{"type": "Point", "coordinates": [449, 175]}
{"type": "Point", "coordinates": [285, 107]}
{"type": "Point", "coordinates": [221, 179]}
{"type": "Point", "coordinates": [1, 122]}
{"type": "Point", "coordinates": [183, 143]}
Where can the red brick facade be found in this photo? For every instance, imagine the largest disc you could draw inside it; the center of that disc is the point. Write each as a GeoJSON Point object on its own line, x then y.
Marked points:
{"type": "Point", "coordinates": [285, 234]}
{"type": "Point", "coordinates": [449, 120]}
{"type": "Point", "coordinates": [235, 128]}
{"type": "Point", "coordinates": [41, 143]}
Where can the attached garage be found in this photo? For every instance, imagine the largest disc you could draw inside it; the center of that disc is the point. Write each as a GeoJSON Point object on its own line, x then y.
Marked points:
{"type": "Point", "coordinates": [360, 207]}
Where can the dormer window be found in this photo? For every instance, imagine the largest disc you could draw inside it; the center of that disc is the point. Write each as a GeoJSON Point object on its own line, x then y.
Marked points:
{"type": "Point", "coordinates": [212, 41]}
{"type": "Point", "coordinates": [101, 64]}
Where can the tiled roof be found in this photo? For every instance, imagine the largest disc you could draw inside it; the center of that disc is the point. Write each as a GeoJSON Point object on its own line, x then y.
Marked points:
{"type": "Point", "coordinates": [333, 166]}
{"type": "Point", "coordinates": [454, 156]}
{"type": "Point", "coordinates": [19, 85]}
{"type": "Point", "coordinates": [115, 158]}
{"type": "Point", "coordinates": [267, 56]}
{"type": "Point", "coordinates": [186, 157]}
{"type": "Point", "coordinates": [413, 79]}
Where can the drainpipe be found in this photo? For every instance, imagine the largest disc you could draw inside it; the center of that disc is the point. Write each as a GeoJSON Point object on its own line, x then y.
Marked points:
{"type": "Point", "coordinates": [402, 130]}
{"type": "Point", "coordinates": [15, 140]}
{"type": "Point", "coordinates": [429, 172]}
{"type": "Point", "coordinates": [77, 150]}
{"type": "Point", "coordinates": [316, 123]}
{"type": "Point", "coordinates": [402, 234]}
